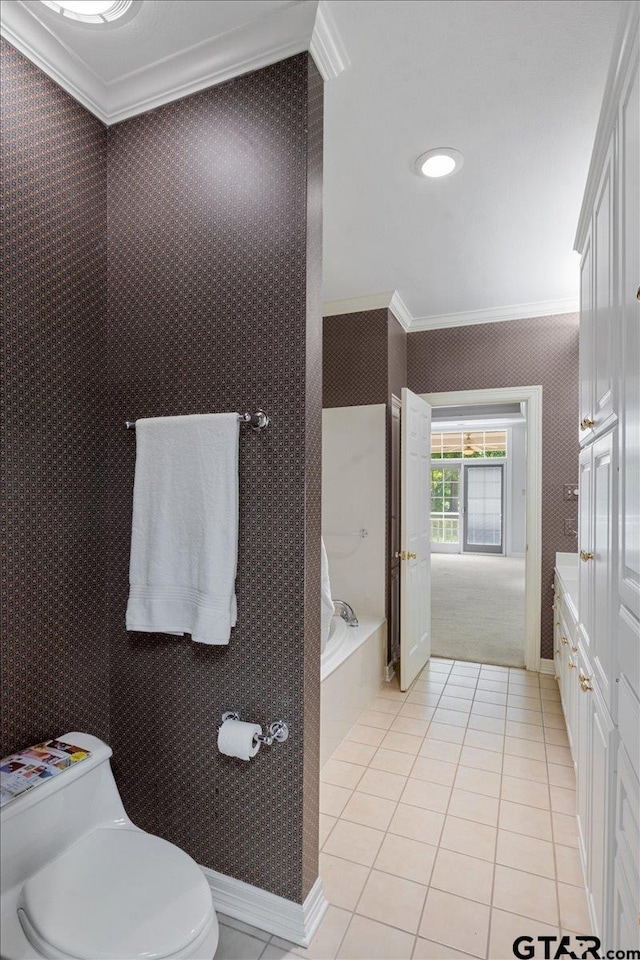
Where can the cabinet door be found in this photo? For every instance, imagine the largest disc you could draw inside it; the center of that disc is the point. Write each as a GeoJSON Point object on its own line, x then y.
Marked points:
{"type": "Point", "coordinates": [600, 805]}
{"type": "Point", "coordinates": [604, 294]}
{"type": "Point", "coordinates": [585, 544]}
{"type": "Point", "coordinates": [626, 930]}
{"type": "Point", "coordinates": [583, 761]}
{"type": "Point", "coordinates": [629, 387]}
{"type": "Point", "coordinates": [602, 564]}
{"type": "Point", "coordinates": [586, 340]}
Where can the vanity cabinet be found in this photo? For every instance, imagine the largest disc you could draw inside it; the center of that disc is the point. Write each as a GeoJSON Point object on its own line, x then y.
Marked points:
{"type": "Point", "coordinates": [605, 717]}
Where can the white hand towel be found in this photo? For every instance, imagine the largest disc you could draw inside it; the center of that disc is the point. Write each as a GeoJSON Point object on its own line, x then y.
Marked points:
{"type": "Point", "coordinates": [327, 608]}
{"type": "Point", "coordinates": [184, 538]}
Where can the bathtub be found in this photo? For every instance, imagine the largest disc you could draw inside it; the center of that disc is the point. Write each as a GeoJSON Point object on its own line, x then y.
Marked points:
{"type": "Point", "coordinates": [352, 669]}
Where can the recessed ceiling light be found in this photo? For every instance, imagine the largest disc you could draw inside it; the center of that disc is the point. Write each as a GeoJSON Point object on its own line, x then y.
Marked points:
{"type": "Point", "coordinates": [441, 162]}
{"type": "Point", "coordinates": [90, 11]}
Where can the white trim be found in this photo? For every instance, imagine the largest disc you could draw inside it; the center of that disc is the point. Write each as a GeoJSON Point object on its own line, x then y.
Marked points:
{"type": "Point", "coordinates": [25, 32]}
{"type": "Point", "coordinates": [532, 396]}
{"type": "Point", "coordinates": [299, 26]}
{"type": "Point", "coordinates": [547, 666]}
{"type": "Point", "coordinates": [395, 303]}
{"type": "Point", "coordinates": [622, 50]}
{"type": "Point", "coordinates": [372, 301]}
{"type": "Point", "coordinates": [296, 922]}
{"type": "Point", "coordinates": [400, 311]}
{"type": "Point", "coordinates": [516, 311]}
{"type": "Point", "coordinates": [326, 47]}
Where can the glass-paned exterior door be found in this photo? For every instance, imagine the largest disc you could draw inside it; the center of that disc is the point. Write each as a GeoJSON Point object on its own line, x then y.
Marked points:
{"type": "Point", "coordinates": [445, 505]}
{"type": "Point", "coordinates": [483, 509]}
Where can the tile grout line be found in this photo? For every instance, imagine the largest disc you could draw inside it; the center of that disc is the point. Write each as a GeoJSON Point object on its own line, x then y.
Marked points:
{"type": "Point", "coordinates": [449, 677]}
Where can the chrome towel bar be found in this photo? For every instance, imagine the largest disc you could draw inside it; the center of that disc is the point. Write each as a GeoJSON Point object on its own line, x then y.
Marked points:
{"type": "Point", "coordinates": [258, 420]}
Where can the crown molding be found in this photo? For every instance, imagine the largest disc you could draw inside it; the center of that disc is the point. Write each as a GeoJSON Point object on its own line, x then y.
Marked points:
{"type": "Point", "coordinates": [626, 37]}
{"type": "Point", "coordinates": [327, 48]}
{"type": "Point", "coordinates": [300, 26]}
{"type": "Point", "coordinates": [401, 312]}
{"type": "Point", "coordinates": [371, 301]}
{"type": "Point", "coordinates": [31, 37]}
{"type": "Point", "coordinates": [394, 302]}
{"type": "Point", "coordinates": [516, 311]}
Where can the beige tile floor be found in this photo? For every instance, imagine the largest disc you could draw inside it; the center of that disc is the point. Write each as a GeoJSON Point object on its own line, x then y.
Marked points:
{"type": "Point", "coordinates": [447, 824]}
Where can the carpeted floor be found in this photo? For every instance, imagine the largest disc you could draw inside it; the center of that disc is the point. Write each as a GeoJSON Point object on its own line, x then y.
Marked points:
{"type": "Point", "coordinates": [477, 608]}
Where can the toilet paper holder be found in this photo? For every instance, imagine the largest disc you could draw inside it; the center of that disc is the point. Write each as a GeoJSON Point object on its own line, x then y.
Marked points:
{"type": "Point", "coordinates": [277, 731]}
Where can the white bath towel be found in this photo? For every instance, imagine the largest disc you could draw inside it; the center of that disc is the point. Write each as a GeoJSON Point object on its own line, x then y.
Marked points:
{"type": "Point", "coordinates": [327, 608]}
{"type": "Point", "coordinates": [184, 538]}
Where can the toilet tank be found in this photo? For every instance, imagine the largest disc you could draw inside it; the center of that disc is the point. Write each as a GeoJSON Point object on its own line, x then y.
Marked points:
{"type": "Point", "coordinates": [40, 824]}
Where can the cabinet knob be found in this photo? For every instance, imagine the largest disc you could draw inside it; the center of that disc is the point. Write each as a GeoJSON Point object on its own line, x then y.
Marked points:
{"type": "Point", "coordinates": [585, 555]}
{"type": "Point", "coordinates": [586, 423]}
{"type": "Point", "coordinates": [563, 640]}
{"type": "Point", "coordinates": [571, 664]}
{"type": "Point", "coordinates": [574, 649]}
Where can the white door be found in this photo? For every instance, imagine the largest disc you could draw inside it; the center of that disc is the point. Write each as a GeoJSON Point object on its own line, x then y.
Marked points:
{"type": "Point", "coordinates": [415, 537]}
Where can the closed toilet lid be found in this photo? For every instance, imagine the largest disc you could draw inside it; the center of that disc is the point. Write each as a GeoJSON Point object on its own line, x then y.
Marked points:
{"type": "Point", "coordinates": [118, 894]}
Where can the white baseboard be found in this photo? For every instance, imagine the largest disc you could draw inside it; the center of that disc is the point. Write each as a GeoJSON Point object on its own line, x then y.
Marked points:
{"type": "Point", "coordinates": [296, 922]}
{"type": "Point", "coordinates": [547, 666]}
{"type": "Point", "coordinates": [389, 673]}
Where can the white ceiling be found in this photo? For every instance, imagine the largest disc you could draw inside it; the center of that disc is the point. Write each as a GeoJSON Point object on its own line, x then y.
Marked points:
{"type": "Point", "coordinates": [516, 85]}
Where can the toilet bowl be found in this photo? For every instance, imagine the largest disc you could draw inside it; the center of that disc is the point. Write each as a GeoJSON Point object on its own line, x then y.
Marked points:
{"type": "Point", "coordinates": [80, 881]}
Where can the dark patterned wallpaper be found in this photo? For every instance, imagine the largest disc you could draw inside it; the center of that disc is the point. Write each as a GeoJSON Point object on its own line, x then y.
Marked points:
{"type": "Point", "coordinates": [55, 650]}
{"type": "Point", "coordinates": [313, 491]}
{"type": "Point", "coordinates": [212, 268]}
{"type": "Point", "coordinates": [355, 359]}
{"type": "Point", "coordinates": [208, 264]}
{"type": "Point", "coordinates": [397, 355]}
{"type": "Point", "coordinates": [543, 350]}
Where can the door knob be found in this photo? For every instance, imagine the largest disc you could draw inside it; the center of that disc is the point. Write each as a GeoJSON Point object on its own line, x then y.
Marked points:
{"type": "Point", "coordinates": [586, 424]}
{"type": "Point", "coordinates": [585, 555]}
{"type": "Point", "coordinates": [412, 556]}
{"type": "Point", "coordinates": [403, 555]}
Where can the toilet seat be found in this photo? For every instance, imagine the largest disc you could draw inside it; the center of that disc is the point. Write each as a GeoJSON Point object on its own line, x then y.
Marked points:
{"type": "Point", "coordinates": [117, 894]}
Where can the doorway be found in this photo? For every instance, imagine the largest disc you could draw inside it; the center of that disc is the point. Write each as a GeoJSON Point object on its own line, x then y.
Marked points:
{"type": "Point", "coordinates": [474, 520]}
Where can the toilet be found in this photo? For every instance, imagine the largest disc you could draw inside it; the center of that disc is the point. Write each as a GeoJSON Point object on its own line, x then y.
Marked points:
{"type": "Point", "coordinates": [80, 881]}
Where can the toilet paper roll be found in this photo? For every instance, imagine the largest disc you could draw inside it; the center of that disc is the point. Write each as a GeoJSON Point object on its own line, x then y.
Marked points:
{"type": "Point", "coordinates": [235, 739]}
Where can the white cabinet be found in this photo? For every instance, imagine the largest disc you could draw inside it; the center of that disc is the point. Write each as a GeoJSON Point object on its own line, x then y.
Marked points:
{"type": "Point", "coordinates": [606, 734]}
{"type": "Point", "coordinates": [597, 309]}
{"type": "Point", "coordinates": [601, 567]}
{"type": "Point", "coordinates": [600, 807]}
{"type": "Point", "coordinates": [594, 738]}
{"type": "Point", "coordinates": [629, 322]}
{"type": "Point", "coordinates": [625, 929]}
{"type": "Point", "coordinates": [585, 543]}
{"type": "Point", "coordinates": [598, 557]}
